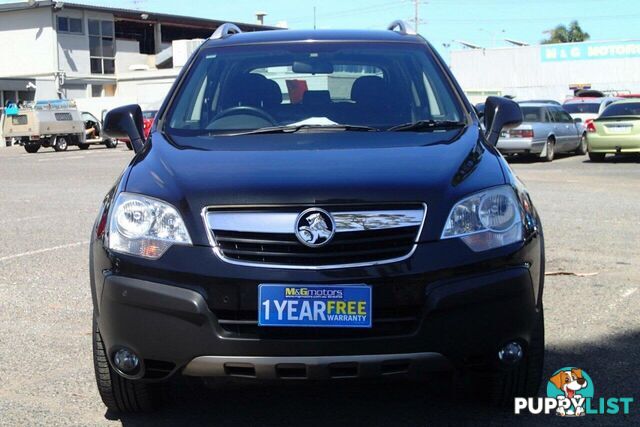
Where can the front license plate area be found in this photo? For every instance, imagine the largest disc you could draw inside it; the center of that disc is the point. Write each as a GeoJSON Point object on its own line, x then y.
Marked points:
{"type": "Point", "coordinates": [317, 306]}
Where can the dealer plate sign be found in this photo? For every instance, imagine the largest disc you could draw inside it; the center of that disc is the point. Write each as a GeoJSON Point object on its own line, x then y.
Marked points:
{"type": "Point", "coordinates": [328, 306]}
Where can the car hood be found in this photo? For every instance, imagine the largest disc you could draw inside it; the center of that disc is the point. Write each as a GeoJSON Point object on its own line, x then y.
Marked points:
{"type": "Point", "coordinates": [436, 168]}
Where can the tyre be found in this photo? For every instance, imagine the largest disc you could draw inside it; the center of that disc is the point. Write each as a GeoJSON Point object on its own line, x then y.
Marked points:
{"type": "Point", "coordinates": [551, 150]}
{"type": "Point", "coordinates": [582, 146]}
{"type": "Point", "coordinates": [83, 146]}
{"type": "Point", "coordinates": [129, 146]}
{"type": "Point", "coordinates": [597, 157]}
{"type": "Point", "coordinates": [32, 148]}
{"type": "Point", "coordinates": [61, 144]}
{"type": "Point", "coordinates": [111, 143]}
{"type": "Point", "coordinates": [119, 394]}
{"type": "Point", "coordinates": [499, 388]}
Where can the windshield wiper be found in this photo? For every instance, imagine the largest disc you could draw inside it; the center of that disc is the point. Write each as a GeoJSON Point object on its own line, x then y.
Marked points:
{"type": "Point", "coordinates": [427, 125]}
{"type": "Point", "coordinates": [296, 128]}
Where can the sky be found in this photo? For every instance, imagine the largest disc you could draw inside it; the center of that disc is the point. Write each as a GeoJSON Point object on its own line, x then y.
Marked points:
{"type": "Point", "coordinates": [482, 22]}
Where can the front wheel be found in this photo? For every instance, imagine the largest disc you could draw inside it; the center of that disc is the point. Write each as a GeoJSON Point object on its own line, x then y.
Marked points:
{"type": "Point", "coordinates": [32, 148]}
{"type": "Point", "coordinates": [119, 394]}
{"type": "Point", "coordinates": [597, 157]}
{"type": "Point", "coordinates": [582, 146]}
{"type": "Point", "coordinates": [111, 143]}
{"type": "Point", "coordinates": [501, 387]}
{"type": "Point", "coordinates": [61, 144]}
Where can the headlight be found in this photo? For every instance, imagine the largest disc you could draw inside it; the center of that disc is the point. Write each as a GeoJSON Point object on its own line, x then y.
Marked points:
{"type": "Point", "coordinates": [144, 226]}
{"type": "Point", "coordinates": [486, 220]}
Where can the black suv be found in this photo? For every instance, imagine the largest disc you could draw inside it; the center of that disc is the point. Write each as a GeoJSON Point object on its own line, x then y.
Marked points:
{"type": "Point", "coordinates": [316, 205]}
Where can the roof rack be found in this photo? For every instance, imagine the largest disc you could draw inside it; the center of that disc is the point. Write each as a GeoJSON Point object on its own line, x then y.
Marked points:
{"type": "Point", "coordinates": [401, 26]}
{"type": "Point", "coordinates": [225, 30]}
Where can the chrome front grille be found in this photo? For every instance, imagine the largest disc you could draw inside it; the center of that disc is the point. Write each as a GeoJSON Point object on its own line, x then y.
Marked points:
{"type": "Point", "coordinates": [265, 237]}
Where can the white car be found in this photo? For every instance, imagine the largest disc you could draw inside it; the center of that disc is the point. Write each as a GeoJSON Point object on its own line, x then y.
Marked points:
{"type": "Point", "coordinates": [587, 108]}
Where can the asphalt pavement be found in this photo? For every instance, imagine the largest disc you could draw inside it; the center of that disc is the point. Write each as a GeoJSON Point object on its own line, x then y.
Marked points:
{"type": "Point", "coordinates": [49, 200]}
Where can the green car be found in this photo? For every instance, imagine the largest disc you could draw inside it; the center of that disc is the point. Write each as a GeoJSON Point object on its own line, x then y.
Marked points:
{"type": "Point", "coordinates": [616, 131]}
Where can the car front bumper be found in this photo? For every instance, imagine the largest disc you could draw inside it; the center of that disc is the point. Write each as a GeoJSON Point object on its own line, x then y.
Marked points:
{"type": "Point", "coordinates": [465, 316]}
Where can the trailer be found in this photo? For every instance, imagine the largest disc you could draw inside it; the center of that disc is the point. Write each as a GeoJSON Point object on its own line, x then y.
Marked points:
{"type": "Point", "coordinates": [57, 124]}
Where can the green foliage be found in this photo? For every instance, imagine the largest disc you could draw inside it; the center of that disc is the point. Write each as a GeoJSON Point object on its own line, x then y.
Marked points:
{"type": "Point", "coordinates": [562, 34]}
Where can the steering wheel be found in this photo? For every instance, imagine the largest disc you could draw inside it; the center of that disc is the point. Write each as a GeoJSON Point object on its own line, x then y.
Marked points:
{"type": "Point", "coordinates": [244, 109]}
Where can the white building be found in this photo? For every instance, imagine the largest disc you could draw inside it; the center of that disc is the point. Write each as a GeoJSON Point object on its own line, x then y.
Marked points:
{"type": "Point", "coordinates": [549, 71]}
{"type": "Point", "coordinates": [52, 49]}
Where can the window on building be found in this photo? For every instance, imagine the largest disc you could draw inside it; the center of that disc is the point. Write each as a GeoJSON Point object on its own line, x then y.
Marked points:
{"type": "Point", "coordinates": [70, 25]}
{"type": "Point", "coordinates": [102, 49]}
{"type": "Point", "coordinates": [96, 91]}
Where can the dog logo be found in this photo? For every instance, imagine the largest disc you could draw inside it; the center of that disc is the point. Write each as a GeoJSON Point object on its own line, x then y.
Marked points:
{"type": "Point", "coordinates": [571, 387]}
{"type": "Point", "coordinates": [315, 227]}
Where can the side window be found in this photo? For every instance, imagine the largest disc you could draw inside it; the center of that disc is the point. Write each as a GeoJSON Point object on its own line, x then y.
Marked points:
{"type": "Point", "coordinates": [556, 115]}
{"type": "Point", "coordinates": [434, 105]}
{"type": "Point", "coordinates": [566, 118]}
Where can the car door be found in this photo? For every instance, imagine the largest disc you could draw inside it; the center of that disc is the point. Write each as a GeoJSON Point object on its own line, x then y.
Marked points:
{"type": "Point", "coordinates": [91, 121]}
{"type": "Point", "coordinates": [573, 132]}
{"type": "Point", "coordinates": [561, 128]}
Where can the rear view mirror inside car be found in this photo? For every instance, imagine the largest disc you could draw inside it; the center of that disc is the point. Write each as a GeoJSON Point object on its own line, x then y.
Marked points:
{"type": "Point", "coordinates": [312, 67]}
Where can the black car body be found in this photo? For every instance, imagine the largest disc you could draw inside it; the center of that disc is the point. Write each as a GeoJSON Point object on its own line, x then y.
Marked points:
{"type": "Point", "coordinates": [438, 301]}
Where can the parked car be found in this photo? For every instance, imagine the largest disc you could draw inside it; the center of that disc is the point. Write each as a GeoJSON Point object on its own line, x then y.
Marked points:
{"type": "Point", "coordinates": [616, 131]}
{"type": "Point", "coordinates": [147, 121]}
{"type": "Point", "coordinates": [546, 129]}
{"type": "Point", "coordinates": [55, 123]}
{"type": "Point", "coordinates": [94, 133]}
{"type": "Point", "coordinates": [587, 108]}
{"type": "Point", "coordinates": [260, 238]}
{"type": "Point", "coordinates": [540, 101]}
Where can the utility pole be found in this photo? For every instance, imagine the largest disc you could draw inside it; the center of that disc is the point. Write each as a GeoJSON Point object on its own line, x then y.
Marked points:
{"type": "Point", "coordinates": [314, 17]}
{"type": "Point", "coordinates": [416, 13]}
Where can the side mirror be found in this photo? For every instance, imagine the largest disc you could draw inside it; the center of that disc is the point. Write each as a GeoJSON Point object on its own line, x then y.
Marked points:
{"type": "Point", "coordinates": [500, 113]}
{"type": "Point", "coordinates": [125, 123]}
{"type": "Point", "coordinates": [577, 120]}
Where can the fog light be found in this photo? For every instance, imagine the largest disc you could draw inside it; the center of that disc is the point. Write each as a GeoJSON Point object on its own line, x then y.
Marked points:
{"type": "Point", "coordinates": [511, 353]}
{"type": "Point", "coordinates": [126, 360]}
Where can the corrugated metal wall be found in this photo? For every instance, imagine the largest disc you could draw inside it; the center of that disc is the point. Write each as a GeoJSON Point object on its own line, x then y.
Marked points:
{"type": "Point", "coordinates": [520, 71]}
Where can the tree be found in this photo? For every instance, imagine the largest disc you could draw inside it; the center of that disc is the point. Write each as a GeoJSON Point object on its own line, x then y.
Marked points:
{"type": "Point", "coordinates": [562, 34]}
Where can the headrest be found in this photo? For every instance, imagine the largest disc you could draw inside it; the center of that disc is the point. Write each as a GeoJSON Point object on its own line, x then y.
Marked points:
{"type": "Point", "coordinates": [272, 95]}
{"type": "Point", "coordinates": [366, 88]}
{"type": "Point", "coordinates": [255, 90]}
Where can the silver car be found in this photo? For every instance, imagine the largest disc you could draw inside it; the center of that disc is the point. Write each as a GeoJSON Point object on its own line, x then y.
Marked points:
{"type": "Point", "coordinates": [546, 129]}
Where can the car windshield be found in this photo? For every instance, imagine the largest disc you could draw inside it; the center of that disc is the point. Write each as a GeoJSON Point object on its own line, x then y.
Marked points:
{"type": "Point", "coordinates": [308, 85]}
{"type": "Point", "coordinates": [582, 107]}
{"type": "Point", "coordinates": [622, 109]}
{"type": "Point", "coordinates": [531, 114]}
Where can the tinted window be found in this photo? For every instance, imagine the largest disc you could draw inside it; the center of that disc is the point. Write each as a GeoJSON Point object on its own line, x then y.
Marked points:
{"type": "Point", "coordinates": [249, 87]}
{"type": "Point", "coordinates": [625, 109]}
{"type": "Point", "coordinates": [582, 107]}
{"type": "Point", "coordinates": [555, 115]}
{"type": "Point", "coordinates": [532, 114]}
{"type": "Point", "coordinates": [565, 117]}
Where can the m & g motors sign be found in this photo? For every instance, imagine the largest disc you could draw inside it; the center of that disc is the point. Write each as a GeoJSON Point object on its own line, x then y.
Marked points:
{"type": "Point", "coordinates": [589, 50]}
